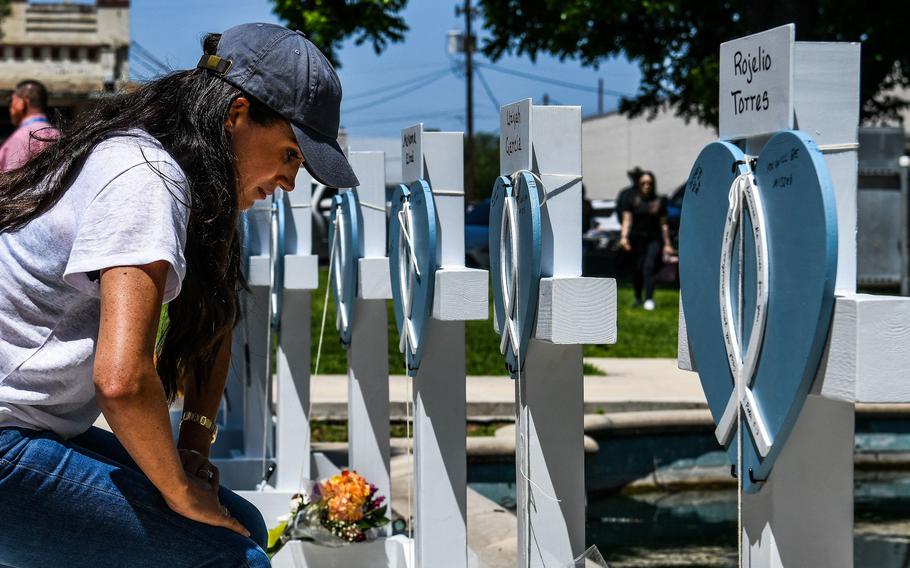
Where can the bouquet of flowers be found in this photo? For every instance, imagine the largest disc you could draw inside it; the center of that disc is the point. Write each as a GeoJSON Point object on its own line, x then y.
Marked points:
{"type": "Point", "coordinates": [342, 509]}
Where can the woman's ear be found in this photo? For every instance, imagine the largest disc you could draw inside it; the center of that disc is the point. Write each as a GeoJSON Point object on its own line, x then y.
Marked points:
{"type": "Point", "coordinates": [237, 113]}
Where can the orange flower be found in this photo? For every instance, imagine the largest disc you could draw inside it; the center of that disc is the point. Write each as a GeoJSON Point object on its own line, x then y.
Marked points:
{"type": "Point", "coordinates": [345, 495]}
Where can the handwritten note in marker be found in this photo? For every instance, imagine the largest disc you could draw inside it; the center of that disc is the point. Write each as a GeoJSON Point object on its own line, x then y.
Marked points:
{"type": "Point", "coordinates": [756, 83]}
{"type": "Point", "coordinates": [515, 137]}
{"type": "Point", "coordinates": [412, 153]}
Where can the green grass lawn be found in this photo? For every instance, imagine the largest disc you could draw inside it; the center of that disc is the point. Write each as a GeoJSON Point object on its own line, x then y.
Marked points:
{"type": "Point", "coordinates": [641, 334]}
{"type": "Point", "coordinates": [337, 430]}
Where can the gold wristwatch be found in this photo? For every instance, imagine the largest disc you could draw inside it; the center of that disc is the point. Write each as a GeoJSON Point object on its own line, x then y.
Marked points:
{"type": "Point", "coordinates": [203, 421]}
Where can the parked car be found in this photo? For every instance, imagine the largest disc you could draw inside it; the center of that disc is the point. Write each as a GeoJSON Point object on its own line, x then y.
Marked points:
{"type": "Point", "coordinates": [477, 235]}
{"type": "Point", "coordinates": [601, 255]}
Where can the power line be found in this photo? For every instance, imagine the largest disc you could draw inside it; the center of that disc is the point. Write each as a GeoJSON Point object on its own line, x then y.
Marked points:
{"type": "Point", "coordinates": [148, 67]}
{"type": "Point", "coordinates": [147, 55]}
{"type": "Point", "coordinates": [488, 90]}
{"type": "Point", "coordinates": [395, 85]}
{"type": "Point", "coordinates": [406, 117]}
{"type": "Point", "coordinates": [550, 81]}
{"type": "Point", "coordinates": [405, 89]}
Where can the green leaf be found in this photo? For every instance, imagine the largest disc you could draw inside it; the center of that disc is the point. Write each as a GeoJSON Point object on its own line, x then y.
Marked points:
{"type": "Point", "coordinates": [329, 22]}
{"type": "Point", "coordinates": [275, 535]}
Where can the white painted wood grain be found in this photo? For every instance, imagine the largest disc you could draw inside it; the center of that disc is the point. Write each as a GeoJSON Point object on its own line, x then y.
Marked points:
{"type": "Point", "coordinates": [301, 271]}
{"type": "Point", "coordinates": [826, 107]}
{"type": "Point", "coordinates": [868, 352]}
{"type": "Point", "coordinates": [461, 294]}
{"type": "Point", "coordinates": [374, 282]}
{"type": "Point", "coordinates": [443, 162]}
{"type": "Point", "coordinates": [259, 270]}
{"type": "Point", "coordinates": [803, 516]}
{"type": "Point", "coordinates": [576, 311]}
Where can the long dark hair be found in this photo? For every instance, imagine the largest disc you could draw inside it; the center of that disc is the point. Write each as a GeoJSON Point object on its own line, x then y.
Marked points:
{"type": "Point", "coordinates": [185, 111]}
{"type": "Point", "coordinates": [650, 174]}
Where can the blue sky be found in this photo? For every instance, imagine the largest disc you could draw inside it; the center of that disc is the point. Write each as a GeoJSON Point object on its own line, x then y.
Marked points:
{"type": "Point", "coordinates": [374, 105]}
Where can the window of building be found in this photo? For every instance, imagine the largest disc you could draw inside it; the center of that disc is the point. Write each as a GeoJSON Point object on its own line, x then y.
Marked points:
{"type": "Point", "coordinates": [55, 54]}
{"type": "Point", "coordinates": [93, 54]}
{"type": "Point", "coordinates": [18, 54]}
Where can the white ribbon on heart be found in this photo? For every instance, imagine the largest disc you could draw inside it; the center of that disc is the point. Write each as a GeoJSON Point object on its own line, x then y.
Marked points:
{"type": "Point", "coordinates": [408, 272]}
{"type": "Point", "coordinates": [508, 275]}
{"type": "Point", "coordinates": [744, 191]}
{"type": "Point", "coordinates": [340, 259]}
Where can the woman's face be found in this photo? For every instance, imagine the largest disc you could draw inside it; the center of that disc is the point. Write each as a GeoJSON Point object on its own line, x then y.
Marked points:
{"type": "Point", "coordinates": [268, 157]}
{"type": "Point", "coordinates": [646, 184]}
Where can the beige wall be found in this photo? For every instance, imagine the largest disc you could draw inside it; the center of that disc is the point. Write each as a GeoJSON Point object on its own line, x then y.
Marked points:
{"type": "Point", "coordinates": [73, 29]}
{"type": "Point", "coordinates": [612, 144]}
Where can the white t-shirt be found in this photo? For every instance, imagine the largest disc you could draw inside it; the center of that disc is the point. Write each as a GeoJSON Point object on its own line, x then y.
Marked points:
{"type": "Point", "coordinates": [119, 211]}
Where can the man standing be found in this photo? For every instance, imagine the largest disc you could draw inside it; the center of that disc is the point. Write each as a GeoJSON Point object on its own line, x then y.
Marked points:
{"type": "Point", "coordinates": [27, 106]}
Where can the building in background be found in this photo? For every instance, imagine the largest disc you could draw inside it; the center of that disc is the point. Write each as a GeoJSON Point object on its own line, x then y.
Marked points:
{"type": "Point", "coordinates": [613, 144]}
{"type": "Point", "coordinates": [77, 50]}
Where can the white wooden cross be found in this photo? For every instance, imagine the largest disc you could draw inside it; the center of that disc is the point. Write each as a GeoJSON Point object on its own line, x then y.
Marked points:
{"type": "Point", "coordinates": [440, 469]}
{"type": "Point", "coordinates": [368, 360]}
{"type": "Point", "coordinates": [803, 516]}
{"type": "Point", "coordinates": [571, 310]}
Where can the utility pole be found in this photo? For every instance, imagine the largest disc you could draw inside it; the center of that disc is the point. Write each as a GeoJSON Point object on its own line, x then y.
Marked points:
{"type": "Point", "coordinates": [600, 96]}
{"type": "Point", "coordinates": [469, 98]}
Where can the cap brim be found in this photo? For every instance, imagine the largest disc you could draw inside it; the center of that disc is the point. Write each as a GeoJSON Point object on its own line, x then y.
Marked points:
{"type": "Point", "coordinates": [324, 158]}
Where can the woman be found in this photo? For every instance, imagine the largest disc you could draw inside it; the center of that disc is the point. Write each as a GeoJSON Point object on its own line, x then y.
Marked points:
{"type": "Point", "coordinates": [644, 230]}
{"type": "Point", "coordinates": [137, 205]}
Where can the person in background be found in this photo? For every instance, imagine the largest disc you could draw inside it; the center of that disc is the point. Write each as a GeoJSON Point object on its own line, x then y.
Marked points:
{"type": "Point", "coordinates": [621, 198]}
{"type": "Point", "coordinates": [27, 107]}
{"type": "Point", "coordinates": [644, 230]}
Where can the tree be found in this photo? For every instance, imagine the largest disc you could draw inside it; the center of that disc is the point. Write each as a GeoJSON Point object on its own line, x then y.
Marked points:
{"type": "Point", "coordinates": [676, 42]}
{"type": "Point", "coordinates": [327, 23]}
{"type": "Point", "coordinates": [486, 163]}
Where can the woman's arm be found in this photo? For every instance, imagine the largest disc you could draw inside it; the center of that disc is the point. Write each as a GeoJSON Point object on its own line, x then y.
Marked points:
{"type": "Point", "coordinates": [624, 230]}
{"type": "Point", "coordinates": [204, 401]}
{"type": "Point", "coordinates": [130, 393]}
{"type": "Point", "coordinates": [665, 234]}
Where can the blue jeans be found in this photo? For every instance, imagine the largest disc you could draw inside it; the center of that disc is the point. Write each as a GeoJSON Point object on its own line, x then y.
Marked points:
{"type": "Point", "coordinates": [84, 502]}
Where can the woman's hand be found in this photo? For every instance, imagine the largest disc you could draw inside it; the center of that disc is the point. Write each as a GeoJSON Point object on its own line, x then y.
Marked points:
{"type": "Point", "coordinates": [668, 250]}
{"type": "Point", "coordinates": [197, 465]}
{"type": "Point", "coordinates": [197, 500]}
{"type": "Point", "coordinates": [624, 244]}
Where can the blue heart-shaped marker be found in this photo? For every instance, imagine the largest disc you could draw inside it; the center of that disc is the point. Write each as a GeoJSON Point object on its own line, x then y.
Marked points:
{"type": "Point", "coordinates": [412, 265]}
{"type": "Point", "coordinates": [515, 263]}
{"type": "Point", "coordinates": [344, 234]}
{"type": "Point", "coordinates": [758, 300]}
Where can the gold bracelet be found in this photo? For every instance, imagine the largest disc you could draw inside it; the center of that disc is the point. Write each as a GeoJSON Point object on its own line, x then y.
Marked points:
{"type": "Point", "coordinates": [201, 420]}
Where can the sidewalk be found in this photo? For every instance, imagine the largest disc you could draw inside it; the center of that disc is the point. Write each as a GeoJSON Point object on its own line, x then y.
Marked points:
{"type": "Point", "coordinates": [630, 385]}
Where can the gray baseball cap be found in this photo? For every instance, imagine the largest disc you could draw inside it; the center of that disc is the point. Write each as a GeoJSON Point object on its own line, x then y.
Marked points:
{"type": "Point", "coordinates": [284, 70]}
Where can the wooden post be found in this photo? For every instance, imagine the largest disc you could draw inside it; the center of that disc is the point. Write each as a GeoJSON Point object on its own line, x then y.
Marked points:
{"type": "Point", "coordinates": [440, 471]}
{"type": "Point", "coordinates": [301, 275]}
{"type": "Point", "coordinates": [571, 310]}
{"type": "Point", "coordinates": [368, 363]}
{"type": "Point", "coordinates": [240, 455]}
{"type": "Point", "coordinates": [242, 469]}
{"type": "Point", "coordinates": [803, 516]}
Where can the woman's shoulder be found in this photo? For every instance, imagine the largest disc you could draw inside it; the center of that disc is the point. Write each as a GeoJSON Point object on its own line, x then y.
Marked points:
{"type": "Point", "coordinates": [128, 149]}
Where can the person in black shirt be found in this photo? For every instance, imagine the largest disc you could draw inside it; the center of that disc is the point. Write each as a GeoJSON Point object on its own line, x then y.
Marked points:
{"type": "Point", "coordinates": [644, 230]}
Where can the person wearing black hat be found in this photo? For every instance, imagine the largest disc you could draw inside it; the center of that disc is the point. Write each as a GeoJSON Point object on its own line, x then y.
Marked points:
{"type": "Point", "coordinates": [136, 205]}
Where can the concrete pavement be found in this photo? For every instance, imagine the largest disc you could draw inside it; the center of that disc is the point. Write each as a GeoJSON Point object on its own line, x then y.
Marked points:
{"type": "Point", "coordinates": [630, 385]}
